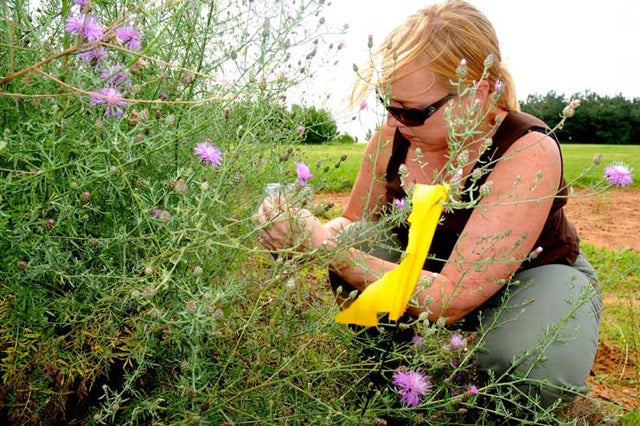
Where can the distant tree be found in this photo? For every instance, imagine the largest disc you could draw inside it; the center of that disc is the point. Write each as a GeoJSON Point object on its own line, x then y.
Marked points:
{"type": "Point", "coordinates": [599, 119]}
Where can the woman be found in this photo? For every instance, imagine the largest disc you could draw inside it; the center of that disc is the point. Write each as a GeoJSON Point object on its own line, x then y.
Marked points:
{"type": "Point", "coordinates": [512, 256]}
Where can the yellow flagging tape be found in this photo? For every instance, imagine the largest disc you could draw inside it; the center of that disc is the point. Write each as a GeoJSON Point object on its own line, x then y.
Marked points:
{"type": "Point", "coordinates": [391, 293]}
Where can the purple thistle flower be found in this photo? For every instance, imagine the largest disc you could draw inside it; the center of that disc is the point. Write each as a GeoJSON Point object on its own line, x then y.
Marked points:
{"type": "Point", "coordinates": [304, 174]}
{"type": "Point", "coordinates": [413, 386]}
{"type": "Point", "coordinates": [85, 25]}
{"type": "Point", "coordinates": [156, 213]}
{"type": "Point", "coordinates": [472, 390]}
{"type": "Point", "coordinates": [457, 341]}
{"type": "Point", "coordinates": [341, 45]}
{"type": "Point", "coordinates": [399, 203]}
{"type": "Point", "coordinates": [300, 129]}
{"type": "Point", "coordinates": [112, 98]}
{"type": "Point", "coordinates": [129, 37]}
{"type": "Point", "coordinates": [81, 3]}
{"type": "Point", "coordinates": [618, 174]}
{"type": "Point", "coordinates": [208, 153]}
{"type": "Point", "coordinates": [93, 56]}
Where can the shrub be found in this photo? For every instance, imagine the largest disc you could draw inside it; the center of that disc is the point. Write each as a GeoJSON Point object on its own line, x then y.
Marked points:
{"type": "Point", "coordinates": [315, 125]}
{"type": "Point", "coordinates": [129, 175]}
{"type": "Point", "coordinates": [345, 138]}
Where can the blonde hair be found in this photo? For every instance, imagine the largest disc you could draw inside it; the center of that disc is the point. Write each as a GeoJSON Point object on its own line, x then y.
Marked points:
{"type": "Point", "coordinates": [440, 36]}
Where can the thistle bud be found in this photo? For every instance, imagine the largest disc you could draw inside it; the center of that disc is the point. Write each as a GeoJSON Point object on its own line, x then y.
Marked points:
{"type": "Point", "coordinates": [488, 62]}
{"type": "Point", "coordinates": [461, 71]}
{"type": "Point", "coordinates": [597, 159]}
{"type": "Point", "coordinates": [485, 188]}
{"type": "Point", "coordinates": [535, 253]}
{"type": "Point", "coordinates": [570, 109]}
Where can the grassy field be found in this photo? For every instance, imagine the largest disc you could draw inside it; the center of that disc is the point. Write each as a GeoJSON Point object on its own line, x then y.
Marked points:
{"type": "Point", "coordinates": [578, 160]}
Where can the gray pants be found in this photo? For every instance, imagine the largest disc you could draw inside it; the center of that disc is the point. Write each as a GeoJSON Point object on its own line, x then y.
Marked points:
{"type": "Point", "coordinates": [542, 326]}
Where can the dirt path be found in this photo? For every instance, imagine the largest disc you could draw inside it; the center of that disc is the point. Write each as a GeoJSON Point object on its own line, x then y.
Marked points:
{"type": "Point", "coordinates": [610, 220]}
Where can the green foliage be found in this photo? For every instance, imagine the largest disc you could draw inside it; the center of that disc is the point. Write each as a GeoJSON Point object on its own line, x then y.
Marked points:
{"type": "Point", "coordinates": [598, 120]}
{"type": "Point", "coordinates": [126, 261]}
{"type": "Point", "coordinates": [315, 125]}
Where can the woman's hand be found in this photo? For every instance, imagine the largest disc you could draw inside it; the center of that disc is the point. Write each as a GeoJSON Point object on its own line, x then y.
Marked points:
{"type": "Point", "coordinates": [289, 227]}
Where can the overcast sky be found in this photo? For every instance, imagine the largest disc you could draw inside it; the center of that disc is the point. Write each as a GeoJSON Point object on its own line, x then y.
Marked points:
{"type": "Point", "coordinates": [564, 45]}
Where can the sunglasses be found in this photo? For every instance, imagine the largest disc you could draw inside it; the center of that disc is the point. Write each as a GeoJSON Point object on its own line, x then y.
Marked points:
{"type": "Point", "coordinates": [413, 117]}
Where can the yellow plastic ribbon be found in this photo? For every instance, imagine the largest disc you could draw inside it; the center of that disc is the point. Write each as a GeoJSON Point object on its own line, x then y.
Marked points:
{"type": "Point", "coordinates": [392, 292]}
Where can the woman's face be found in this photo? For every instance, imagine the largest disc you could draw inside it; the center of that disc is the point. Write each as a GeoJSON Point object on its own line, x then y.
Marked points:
{"type": "Point", "coordinates": [419, 88]}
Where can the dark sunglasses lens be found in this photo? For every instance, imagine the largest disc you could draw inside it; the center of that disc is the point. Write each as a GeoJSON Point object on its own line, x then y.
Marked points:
{"type": "Point", "coordinates": [408, 117]}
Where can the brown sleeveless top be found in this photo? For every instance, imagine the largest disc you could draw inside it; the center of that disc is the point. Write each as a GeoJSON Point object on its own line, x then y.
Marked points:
{"type": "Point", "coordinates": [559, 239]}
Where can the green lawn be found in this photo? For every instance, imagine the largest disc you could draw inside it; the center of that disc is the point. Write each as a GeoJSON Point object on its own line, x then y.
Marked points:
{"type": "Point", "coordinates": [578, 160]}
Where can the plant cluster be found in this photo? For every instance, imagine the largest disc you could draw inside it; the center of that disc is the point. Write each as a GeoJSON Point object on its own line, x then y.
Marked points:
{"type": "Point", "coordinates": [136, 141]}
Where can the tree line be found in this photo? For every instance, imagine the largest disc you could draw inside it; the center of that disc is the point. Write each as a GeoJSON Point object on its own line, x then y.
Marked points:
{"type": "Point", "coordinates": [599, 119]}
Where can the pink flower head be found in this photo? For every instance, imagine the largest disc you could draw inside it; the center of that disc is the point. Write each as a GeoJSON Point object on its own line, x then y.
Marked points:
{"type": "Point", "coordinates": [112, 98]}
{"type": "Point", "coordinates": [156, 213]}
{"type": "Point", "coordinates": [129, 37]}
{"type": "Point", "coordinates": [457, 341]}
{"type": "Point", "coordinates": [536, 252]}
{"type": "Point", "coordinates": [341, 45]}
{"type": "Point", "coordinates": [300, 129]}
{"type": "Point", "coordinates": [81, 3]}
{"type": "Point", "coordinates": [364, 105]}
{"type": "Point", "coordinates": [399, 203]}
{"type": "Point", "coordinates": [208, 153]}
{"type": "Point", "coordinates": [413, 385]}
{"type": "Point", "coordinates": [618, 174]}
{"type": "Point", "coordinates": [370, 41]}
{"type": "Point", "coordinates": [86, 26]}
{"type": "Point", "coordinates": [303, 172]}
{"type": "Point", "coordinates": [472, 390]}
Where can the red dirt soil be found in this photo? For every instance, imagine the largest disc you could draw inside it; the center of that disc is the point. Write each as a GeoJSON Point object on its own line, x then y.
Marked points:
{"type": "Point", "coordinates": [610, 220]}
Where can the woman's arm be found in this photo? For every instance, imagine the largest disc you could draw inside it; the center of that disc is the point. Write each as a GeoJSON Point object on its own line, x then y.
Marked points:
{"type": "Point", "coordinates": [367, 194]}
{"type": "Point", "coordinates": [499, 235]}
